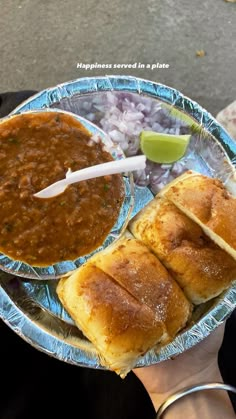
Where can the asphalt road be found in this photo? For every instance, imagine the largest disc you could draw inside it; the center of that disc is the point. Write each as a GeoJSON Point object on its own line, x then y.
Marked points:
{"type": "Point", "coordinates": [42, 41]}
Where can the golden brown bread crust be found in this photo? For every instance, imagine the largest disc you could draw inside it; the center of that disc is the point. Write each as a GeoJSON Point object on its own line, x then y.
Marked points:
{"type": "Point", "coordinates": [130, 263]}
{"type": "Point", "coordinates": [119, 326]}
{"type": "Point", "coordinates": [124, 300]}
{"type": "Point", "coordinates": [210, 204]}
{"type": "Point", "coordinates": [202, 269]}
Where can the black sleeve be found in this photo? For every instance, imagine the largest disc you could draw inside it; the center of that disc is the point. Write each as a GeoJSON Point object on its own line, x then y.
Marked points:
{"type": "Point", "coordinates": [10, 100]}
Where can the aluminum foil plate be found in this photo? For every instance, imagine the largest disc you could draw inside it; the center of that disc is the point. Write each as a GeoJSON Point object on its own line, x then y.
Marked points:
{"type": "Point", "coordinates": [30, 307]}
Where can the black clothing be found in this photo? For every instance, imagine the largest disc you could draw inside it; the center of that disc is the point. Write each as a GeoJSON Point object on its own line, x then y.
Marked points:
{"type": "Point", "coordinates": [35, 385]}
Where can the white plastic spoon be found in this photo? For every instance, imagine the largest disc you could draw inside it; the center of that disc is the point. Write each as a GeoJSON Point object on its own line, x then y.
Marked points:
{"type": "Point", "coordinates": [129, 164]}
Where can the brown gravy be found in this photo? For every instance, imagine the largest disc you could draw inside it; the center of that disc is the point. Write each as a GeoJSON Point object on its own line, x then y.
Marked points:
{"type": "Point", "coordinates": [35, 151]}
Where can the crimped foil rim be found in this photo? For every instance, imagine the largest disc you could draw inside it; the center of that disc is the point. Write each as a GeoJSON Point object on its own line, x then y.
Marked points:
{"type": "Point", "coordinates": [37, 334]}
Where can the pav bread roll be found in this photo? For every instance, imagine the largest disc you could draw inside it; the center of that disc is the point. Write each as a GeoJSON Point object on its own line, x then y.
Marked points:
{"type": "Point", "coordinates": [207, 202]}
{"type": "Point", "coordinates": [201, 268]}
{"type": "Point", "coordinates": [120, 326]}
{"type": "Point", "coordinates": [131, 264]}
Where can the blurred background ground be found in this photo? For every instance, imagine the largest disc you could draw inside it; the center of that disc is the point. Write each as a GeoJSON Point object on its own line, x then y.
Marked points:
{"type": "Point", "coordinates": [41, 42]}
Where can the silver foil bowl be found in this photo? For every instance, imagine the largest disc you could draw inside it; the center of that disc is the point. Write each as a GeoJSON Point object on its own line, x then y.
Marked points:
{"type": "Point", "coordinates": [17, 267]}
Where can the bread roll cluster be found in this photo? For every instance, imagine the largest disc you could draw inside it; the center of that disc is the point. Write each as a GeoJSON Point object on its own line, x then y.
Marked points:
{"type": "Point", "coordinates": [139, 292]}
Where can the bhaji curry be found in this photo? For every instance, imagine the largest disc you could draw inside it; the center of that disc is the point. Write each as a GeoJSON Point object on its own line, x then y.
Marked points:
{"type": "Point", "coordinates": [36, 150]}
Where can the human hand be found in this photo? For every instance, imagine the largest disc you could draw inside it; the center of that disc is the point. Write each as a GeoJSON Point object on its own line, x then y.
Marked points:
{"type": "Point", "coordinates": [196, 365]}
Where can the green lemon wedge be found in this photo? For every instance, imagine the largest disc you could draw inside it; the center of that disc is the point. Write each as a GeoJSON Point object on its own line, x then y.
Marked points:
{"type": "Point", "coordinates": [163, 148]}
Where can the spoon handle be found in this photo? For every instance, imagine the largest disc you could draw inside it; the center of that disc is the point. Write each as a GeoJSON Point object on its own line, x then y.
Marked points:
{"type": "Point", "coordinates": [118, 166]}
